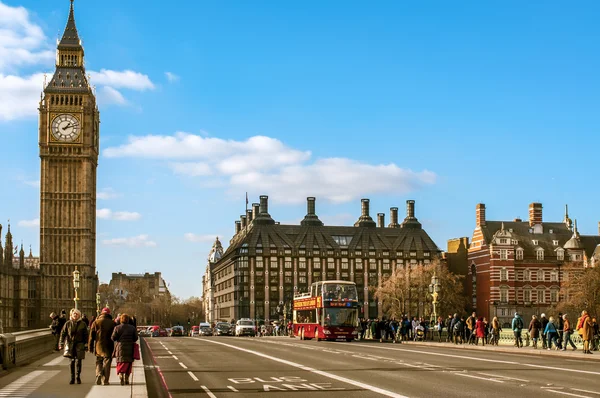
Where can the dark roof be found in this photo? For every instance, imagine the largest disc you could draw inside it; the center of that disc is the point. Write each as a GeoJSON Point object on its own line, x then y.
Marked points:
{"type": "Point", "coordinates": [521, 232]}
{"type": "Point", "coordinates": [69, 80]}
{"type": "Point", "coordinates": [70, 37]}
{"type": "Point", "coordinates": [310, 237]}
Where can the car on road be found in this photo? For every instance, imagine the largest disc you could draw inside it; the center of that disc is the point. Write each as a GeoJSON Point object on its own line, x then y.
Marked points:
{"type": "Point", "coordinates": [177, 331]}
{"type": "Point", "coordinates": [223, 329]}
{"type": "Point", "coordinates": [205, 329]}
{"type": "Point", "coordinates": [162, 333]}
{"type": "Point", "coordinates": [195, 331]}
{"type": "Point", "coordinates": [245, 327]}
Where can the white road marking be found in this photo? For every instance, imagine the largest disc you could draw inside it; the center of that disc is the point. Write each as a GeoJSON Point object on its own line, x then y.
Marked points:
{"type": "Point", "coordinates": [477, 377]}
{"type": "Point", "coordinates": [57, 361]}
{"type": "Point", "coordinates": [175, 358]}
{"type": "Point", "coordinates": [569, 394]}
{"type": "Point", "coordinates": [312, 370]}
{"type": "Point", "coordinates": [232, 388]}
{"type": "Point", "coordinates": [170, 353]}
{"type": "Point", "coordinates": [503, 377]}
{"type": "Point", "coordinates": [25, 385]}
{"type": "Point", "coordinates": [193, 376]}
{"type": "Point", "coordinates": [183, 366]}
{"type": "Point", "coordinates": [481, 359]}
{"type": "Point", "coordinates": [208, 392]}
{"type": "Point", "coordinates": [589, 392]}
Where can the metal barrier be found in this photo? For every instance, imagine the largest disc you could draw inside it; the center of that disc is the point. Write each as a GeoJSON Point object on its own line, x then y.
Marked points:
{"type": "Point", "coordinates": [21, 347]}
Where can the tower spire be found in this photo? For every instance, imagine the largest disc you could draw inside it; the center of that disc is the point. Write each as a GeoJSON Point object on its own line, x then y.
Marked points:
{"type": "Point", "coordinates": [70, 36]}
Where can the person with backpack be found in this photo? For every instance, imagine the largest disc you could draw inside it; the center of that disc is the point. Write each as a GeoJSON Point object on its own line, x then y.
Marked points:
{"type": "Point", "coordinates": [458, 329]}
{"type": "Point", "coordinates": [517, 327]}
{"type": "Point", "coordinates": [551, 334]}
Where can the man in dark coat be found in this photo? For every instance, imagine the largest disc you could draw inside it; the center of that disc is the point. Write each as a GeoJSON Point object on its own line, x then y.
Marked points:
{"type": "Point", "coordinates": [101, 344]}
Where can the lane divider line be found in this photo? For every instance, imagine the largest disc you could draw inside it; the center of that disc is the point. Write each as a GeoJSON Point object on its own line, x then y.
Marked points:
{"type": "Point", "coordinates": [589, 392]}
{"type": "Point", "coordinates": [477, 377]}
{"type": "Point", "coordinates": [182, 365]}
{"type": "Point", "coordinates": [175, 358]}
{"type": "Point", "coordinates": [193, 376]}
{"type": "Point", "coordinates": [208, 392]}
{"type": "Point", "coordinates": [569, 394]}
{"type": "Point", "coordinates": [232, 388]}
{"type": "Point", "coordinates": [342, 379]}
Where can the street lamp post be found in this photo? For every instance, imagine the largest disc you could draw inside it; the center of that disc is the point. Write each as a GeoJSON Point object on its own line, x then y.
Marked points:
{"type": "Point", "coordinates": [76, 286]}
{"type": "Point", "coordinates": [97, 304]}
{"type": "Point", "coordinates": [434, 289]}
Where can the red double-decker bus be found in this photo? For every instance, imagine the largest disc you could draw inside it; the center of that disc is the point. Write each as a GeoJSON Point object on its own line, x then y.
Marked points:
{"type": "Point", "coordinates": [328, 312]}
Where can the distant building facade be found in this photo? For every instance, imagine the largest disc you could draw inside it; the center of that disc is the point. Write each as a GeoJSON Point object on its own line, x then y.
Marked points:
{"type": "Point", "coordinates": [208, 297]}
{"type": "Point", "coordinates": [153, 284]}
{"type": "Point", "coordinates": [20, 281]}
{"type": "Point", "coordinates": [266, 263]}
{"type": "Point", "coordinates": [516, 265]}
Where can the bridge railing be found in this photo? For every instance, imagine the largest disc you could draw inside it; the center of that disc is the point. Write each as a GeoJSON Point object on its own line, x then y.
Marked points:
{"type": "Point", "coordinates": [22, 347]}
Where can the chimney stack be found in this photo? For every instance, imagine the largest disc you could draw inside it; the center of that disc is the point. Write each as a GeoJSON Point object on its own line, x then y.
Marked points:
{"type": "Point", "coordinates": [238, 227]}
{"type": "Point", "coordinates": [394, 218]}
{"type": "Point", "coordinates": [535, 214]}
{"type": "Point", "coordinates": [243, 222]}
{"type": "Point", "coordinates": [480, 214]}
{"type": "Point", "coordinates": [248, 216]}
{"type": "Point", "coordinates": [255, 210]}
{"type": "Point", "coordinates": [264, 205]}
{"type": "Point", "coordinates": [381, 220]}
{"type": "Point", "coordinates": [365, 220]}
{"type": "Point", "coordinates": [364, 208]}
{"type": "Point", "coordinates": [410, 209]}
{"type": "Point", "coordinates": [311, 217]}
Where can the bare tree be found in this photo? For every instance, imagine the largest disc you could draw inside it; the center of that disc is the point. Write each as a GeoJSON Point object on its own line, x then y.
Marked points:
{"type": "Point", "coordinates": [580, 289]}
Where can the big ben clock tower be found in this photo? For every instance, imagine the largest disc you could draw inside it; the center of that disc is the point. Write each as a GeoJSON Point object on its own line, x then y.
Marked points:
{"type": "Point", "coordinates": [68, 141]}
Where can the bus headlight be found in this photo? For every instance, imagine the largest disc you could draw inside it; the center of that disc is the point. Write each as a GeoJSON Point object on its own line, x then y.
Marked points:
{"type": "Point", "coordinates": [325, 331]}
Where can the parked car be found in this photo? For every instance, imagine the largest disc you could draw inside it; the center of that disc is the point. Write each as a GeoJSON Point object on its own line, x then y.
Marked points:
{"type": "Point", "coordinates": [195, 331]}
{"type": "Point", "coordinates": [223, 329]}
{"type": "Point", "coordinates": [177, 331]}
{"type": "Point", "coordinates": [245, 327]}
{"type": "Point", "coordinates": [205, 329]}
{"type": "Point", "coordinates": [163, 333]}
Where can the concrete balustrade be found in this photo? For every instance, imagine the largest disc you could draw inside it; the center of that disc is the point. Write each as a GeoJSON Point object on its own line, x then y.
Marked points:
{"type": "Point", "coordinates": [22, 347]}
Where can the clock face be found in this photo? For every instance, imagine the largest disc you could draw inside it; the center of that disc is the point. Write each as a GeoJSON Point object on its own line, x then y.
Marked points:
{"type": "Point", "coordinates": [65, 128]}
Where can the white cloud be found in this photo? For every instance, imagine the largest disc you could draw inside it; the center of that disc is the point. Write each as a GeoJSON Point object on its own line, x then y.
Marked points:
{"type": "Point", "coordinates": [190, 237]}
{"type": "Point", "coordinates": [24, 44]}
{"type": "Point", "coordinates": [19, 96]}
{"type": "Point", "coordinates": [135, 241]}
{"type": "Point", "coordinates": [267, 165]}
{"type": "Point", "coordinates": [107, 214]}
{"type": "Point", "coordinates": [32, 183]}
{"type": "Point", "coordinates": [125, 79]}
{"type": "Point", "coordinates": [29, 223]}
{"type": "Point", "coordinates": [107, 194]}
{"type": "Point", "coordinates": [172, 77]}
{"type": "Point", "coordinates": [109, 95]}
{"type": "Point", "coordinates": [21, 41]}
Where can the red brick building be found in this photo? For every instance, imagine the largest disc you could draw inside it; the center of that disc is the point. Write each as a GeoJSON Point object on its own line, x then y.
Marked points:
{"type": "Point", "coordinates": [516, 265]}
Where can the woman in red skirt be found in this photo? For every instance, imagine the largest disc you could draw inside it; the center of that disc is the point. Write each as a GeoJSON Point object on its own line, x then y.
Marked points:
{"type": "Point", "coordinates": [124, 336]}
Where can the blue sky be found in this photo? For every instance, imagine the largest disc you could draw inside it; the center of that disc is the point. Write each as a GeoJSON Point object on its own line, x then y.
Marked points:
{"type": "Point", "coordinates": [447, 104]}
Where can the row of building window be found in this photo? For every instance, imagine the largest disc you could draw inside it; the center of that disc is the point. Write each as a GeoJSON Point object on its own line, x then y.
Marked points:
{"type": "Point", "coordinates": [527, 275]}
{"type": "Point", "coordinates": [317, 252]}
{"type": "Point", "coordinates": [539, 255]}
{"type": "Point", "coordinates": [528, 297]}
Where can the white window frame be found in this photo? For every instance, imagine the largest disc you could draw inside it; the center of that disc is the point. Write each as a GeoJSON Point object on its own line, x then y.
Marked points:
{"type": "Point", "coordinates": [539, 254]}
{"type": "Point", "coordinates": [519, 254]}
{"type": "Point", "coordinates": [503, 254]}
{"type": "Point", "coordinates": [504, 294]}
{"type": "Point", "coordinates": [503, 274]}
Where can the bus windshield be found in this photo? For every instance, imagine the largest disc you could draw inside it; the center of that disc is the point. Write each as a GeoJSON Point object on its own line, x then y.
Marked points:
{"type": "Point", "coordinates": [339, 292]}
{"type": "Point", "coordinates": [339, 317]}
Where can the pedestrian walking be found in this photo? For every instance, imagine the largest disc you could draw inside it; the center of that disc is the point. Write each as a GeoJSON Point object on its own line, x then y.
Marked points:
{"type": "Point", "coordinates": [551, 334]}
{"type": "Point", "coordinates": [544, 322]}
{"type": "Point", "coordinates": [124, 335]}
{"type": "Point", "coordinates": [517, 327]}
{"type": "Point", "coordinates": [586, 330]}
{"type": "Point", "coordinates": [596, 334]}
{"type": "Point", "coordinates": [479, 331]}
{"type": "Point", "coordinates": [439, 327]}
{"type": "Point", "coordinates": [567, 331]}
{"type": "Point", "coordinates": [560, 327]}
{"type": "Point", "coordinates": [449, 328]}
{"type": "Point", "coordinates": [101, 344]}
{"type": "Point", "coordinates": [496, 329]}
{"type": "Point", "coordinates": [73, 338]}
{"type": "Point", "coordinates": [534, 330]}
{"type": "Point", "coordinates": [471, 321]}
{"type": "Point", "coordinates": [56, 328]}
{"type": "Point", "coordinates": [458, 329]}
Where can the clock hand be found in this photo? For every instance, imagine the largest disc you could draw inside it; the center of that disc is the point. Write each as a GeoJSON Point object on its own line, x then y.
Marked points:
{"type": "Point", "coordinates": [67, 126]}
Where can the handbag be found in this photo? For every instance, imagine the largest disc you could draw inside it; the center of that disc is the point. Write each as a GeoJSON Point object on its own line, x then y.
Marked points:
{"type": "Point", "coordinates": [136, 351]}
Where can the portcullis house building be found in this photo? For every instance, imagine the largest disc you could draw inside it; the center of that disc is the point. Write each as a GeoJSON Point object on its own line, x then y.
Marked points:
{"type": "Point", "coordinates": [266, 262]}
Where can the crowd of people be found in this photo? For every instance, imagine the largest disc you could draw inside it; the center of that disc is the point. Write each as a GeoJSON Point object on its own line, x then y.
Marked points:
{"type": "Point", "coordinates": [555, 333]}
{"type": "Point", "coordinates": [104, 337]}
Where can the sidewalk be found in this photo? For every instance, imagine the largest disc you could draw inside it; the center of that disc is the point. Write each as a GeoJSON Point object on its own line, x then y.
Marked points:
{"type": "Point", "coordinates": [49, 378]}
{"type": "Point", "coordinates": [578, 354]}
